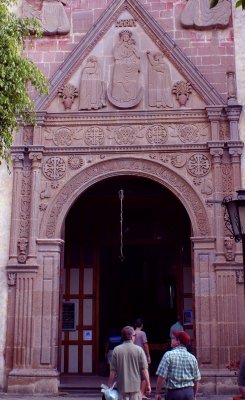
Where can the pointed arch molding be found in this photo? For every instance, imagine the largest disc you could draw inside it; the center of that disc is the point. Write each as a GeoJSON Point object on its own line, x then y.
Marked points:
{"type": "Point", "coordinates": [51, 225]}
{"type": "Point", "coordinates": [152, 28]}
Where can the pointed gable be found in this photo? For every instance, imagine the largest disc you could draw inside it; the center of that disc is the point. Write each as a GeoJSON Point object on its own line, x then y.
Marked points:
{"type": "Point", "coordinates": [153, 34]}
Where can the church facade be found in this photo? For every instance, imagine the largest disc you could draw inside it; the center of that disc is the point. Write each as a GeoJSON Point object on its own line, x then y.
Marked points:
{"type": "Point", "coordinates": [119, 187]}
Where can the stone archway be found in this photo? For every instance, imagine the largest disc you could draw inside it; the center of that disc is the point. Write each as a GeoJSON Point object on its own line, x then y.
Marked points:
{"type": "Point", "coordinates": [51, 225]}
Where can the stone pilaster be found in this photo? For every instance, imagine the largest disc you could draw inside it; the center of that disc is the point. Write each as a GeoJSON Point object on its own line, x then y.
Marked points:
{"type": "Point", "coordinates": [214, 114]}
{"type": "Point", "coordinates": [233, 114]}
{"type": "Point", "coordinates": [217, 153]}
{"type": "Point", "coordinates": [205, 296]}
{"type": "Point", "coordinates": [235, 151]}
{"type": "Point", "coordinates": [17, 160]}
{"type": "Point", "coordinates": [36, 158]}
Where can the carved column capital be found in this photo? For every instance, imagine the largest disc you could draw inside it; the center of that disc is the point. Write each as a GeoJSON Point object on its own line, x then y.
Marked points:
{"type": "Point", "coordinates": [214, 112]}
{"type": "Point", "coordinates": [216, 153]}
{"type": "Point", "coordinates": [17, 159]}
{"type": "Point", "coordinates": [11, 278]}
{"type": "Point", "coordinates": [36, 159]}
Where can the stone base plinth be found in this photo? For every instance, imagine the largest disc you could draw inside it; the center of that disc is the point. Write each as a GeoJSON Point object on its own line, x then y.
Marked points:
{"type": "Point", "coordinates": [33, 381]}
{"type": "Point", "coordinates": [218, 382]}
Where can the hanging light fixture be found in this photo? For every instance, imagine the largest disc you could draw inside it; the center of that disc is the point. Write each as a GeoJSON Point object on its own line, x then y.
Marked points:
{"type": "Point", "coordinates": [121, 198]}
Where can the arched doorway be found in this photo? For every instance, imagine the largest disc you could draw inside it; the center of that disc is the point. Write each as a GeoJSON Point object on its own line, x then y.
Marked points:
{"type": "Point", "coordinates": [153, 281]}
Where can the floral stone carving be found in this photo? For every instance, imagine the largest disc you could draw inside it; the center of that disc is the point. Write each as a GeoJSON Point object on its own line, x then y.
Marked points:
{"type": "Point", "coordinates": [68, 93]}
{"type": "Point", "coordinates": [198, 165]}
{"type": "Point", "coordinates": [54, 168]}
{"type": "Point", "coordinates": [182, 91]}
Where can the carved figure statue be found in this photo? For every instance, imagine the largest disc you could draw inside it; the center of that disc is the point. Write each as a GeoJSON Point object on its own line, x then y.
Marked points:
{"type": "Point", "coordinates": [52, 15]}
{"type": "Point", "coordinates": [159, 83]}
{"type": "Point", "coordinates": [197, 14]}
{"type": "Point", "coordinates": [125, 90]}
{"type": "Point", "coordinates": [92, 88]}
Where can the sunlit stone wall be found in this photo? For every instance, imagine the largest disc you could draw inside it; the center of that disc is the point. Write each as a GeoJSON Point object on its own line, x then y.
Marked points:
{"type": "Point", "coordinates": [239, 35]}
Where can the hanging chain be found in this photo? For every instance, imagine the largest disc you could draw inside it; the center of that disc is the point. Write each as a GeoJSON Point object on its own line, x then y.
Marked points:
{"type": "Point", "coordinates": [121, 197]}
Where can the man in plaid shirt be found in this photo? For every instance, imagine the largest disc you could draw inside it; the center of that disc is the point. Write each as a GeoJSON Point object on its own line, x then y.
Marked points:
{"type": "Point", "coordinates": [178, 370]}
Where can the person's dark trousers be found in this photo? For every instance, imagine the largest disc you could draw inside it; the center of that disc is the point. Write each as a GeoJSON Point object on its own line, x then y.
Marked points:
{"type": "Point", "coordinates": [181, 394]}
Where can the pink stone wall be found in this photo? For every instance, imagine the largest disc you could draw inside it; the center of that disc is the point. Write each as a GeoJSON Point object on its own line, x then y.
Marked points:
{"type": "Point", "coordinates": [211, 51]}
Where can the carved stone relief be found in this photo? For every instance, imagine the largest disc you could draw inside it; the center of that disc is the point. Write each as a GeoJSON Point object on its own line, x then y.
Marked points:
{"type": "Point", "coordinates": [94, 136]}
{"type": "Point", "coordinates": [54, 168]}
{"type": "Point", "coordinates": [178, 160]}
{"type": "Point", "coordinates": [227, 183]}
{"type": "Point", "coordinates": [75, 162]}
{"type": "Point", "coordinates": [239, 277]}
{"type": "Point", "coordinates": [63, 136]}
{"type": "Point", "coordinates": [138, 166]}
{"type": "Point", "coordinates": [125, 135]}
{"type": "Point", "coordinates": [159, 82]}
{"type": "Point", "coordinates": [157, 134]}
{"type": "Point", "coordinates": [207, 187]}
{"type": "Point", "coordinates": [125, 91]}
{"type": "Point", "coordinates": [12, 278]}
{"type": "Point", "coordinates": [68, 93]}
{"type": "Point", "coordinates": [182, 91]}
{"type": "Point", "coordinates": [92, 87]}
{"type": "Point", "coordinates": [28, 135]}
{"type": "Point", "coordinates": [52, 15]}
{"type": "Point", "coordinates": [198, 165]}
{"type": "Point", "coordinates": [188, 133]}
{"type": "Point", "coordinates": [25, 201]}
{"type": "Point", "coordinates": [198, 14]}
{"type": "Point", "coordinates": [229, 249]}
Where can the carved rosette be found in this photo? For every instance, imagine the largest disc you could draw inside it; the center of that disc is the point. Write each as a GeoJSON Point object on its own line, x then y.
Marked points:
{"type": "Point", "coordinates": [75, 162]}
{"type": "Point", "coordinates": [94, 136]}
{"type": "Point", "coordinates": [188, 133]}
{"type": "Point", "coordinates": [157, 134]}
{"type": "Point", "coordinates": [62, 137]}
{"type": "Point", "coordinates": [198, 165]}
{"type": "Point", "coordinates": [54, 168]}
{"type": "Point", "coordinates": [125, 135]}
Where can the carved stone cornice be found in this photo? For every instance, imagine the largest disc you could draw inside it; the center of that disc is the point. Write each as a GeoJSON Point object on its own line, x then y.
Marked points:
{"type": "Point", "coordinates": [214, 113]}
{"type": "Point", "coordinates": [85, 118]}
{"type": "Point", "coordinates": [233, 112]}
{"type": "Point", "coordinates": [81, 150]}
{"type": "Point", "coordinates": [23, 268]}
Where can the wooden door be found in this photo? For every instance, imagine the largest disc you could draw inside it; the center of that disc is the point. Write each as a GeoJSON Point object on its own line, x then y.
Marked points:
{"type": "Point", "coordinates": [79, 317]}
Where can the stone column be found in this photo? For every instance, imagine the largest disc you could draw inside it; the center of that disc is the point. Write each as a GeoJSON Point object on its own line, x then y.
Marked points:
{"type": "Point", "coordinates": [17, 160]}
{"type": "Point", "coordinates": [235, 154]}
{"type": "Point", "coordinates": [36, 158]}
{"type": "Point", "coordinates": [36, 318]}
